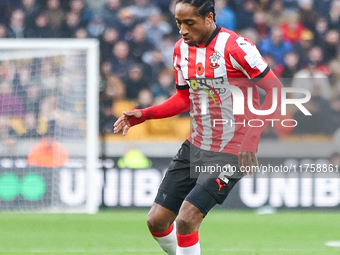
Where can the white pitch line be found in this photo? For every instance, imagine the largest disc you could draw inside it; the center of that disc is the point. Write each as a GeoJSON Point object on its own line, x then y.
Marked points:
{"type": "Point", "coordinates": [333, 243]}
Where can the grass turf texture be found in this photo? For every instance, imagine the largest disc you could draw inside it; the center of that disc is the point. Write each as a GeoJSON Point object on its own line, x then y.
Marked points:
{"type": "Point", "coordinates": [125, 232]}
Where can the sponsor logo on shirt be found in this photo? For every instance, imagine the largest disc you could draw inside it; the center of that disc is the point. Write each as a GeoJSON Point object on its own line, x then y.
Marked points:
{"type": "Point", "coordinates": [213, 87]}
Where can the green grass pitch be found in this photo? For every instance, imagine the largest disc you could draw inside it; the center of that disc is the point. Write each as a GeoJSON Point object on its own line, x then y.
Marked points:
{"type": "Point", "coordinates": [124, 232]}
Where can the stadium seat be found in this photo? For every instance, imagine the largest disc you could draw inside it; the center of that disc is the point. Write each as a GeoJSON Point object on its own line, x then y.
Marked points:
{"type": "Point", "coordinates": [18, 125]}
{"type": "Point", "coordinates": [122, 105]}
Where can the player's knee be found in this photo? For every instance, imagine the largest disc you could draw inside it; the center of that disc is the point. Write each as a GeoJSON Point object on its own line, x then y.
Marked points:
{"type": "Point", "coordinates": [184, 223]}
{"type": "Point", "coordinates": [189, 219]}
{"type": "Point", "coordinates": [156, 223]}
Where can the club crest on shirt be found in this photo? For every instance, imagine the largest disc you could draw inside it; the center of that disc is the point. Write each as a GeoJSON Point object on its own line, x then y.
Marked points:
{"type": "Point", "coordinates": [214, 60]}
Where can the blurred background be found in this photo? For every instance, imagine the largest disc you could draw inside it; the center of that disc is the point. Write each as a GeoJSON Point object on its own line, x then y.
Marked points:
{"type": "Point", "coordinates": [44, 97]}
{"type": "Point", "coordinates": [44, 125]}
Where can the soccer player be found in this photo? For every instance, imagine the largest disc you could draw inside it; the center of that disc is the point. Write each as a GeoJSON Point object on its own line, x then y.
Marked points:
{"type": "Point", "coordinates": [211, 64]}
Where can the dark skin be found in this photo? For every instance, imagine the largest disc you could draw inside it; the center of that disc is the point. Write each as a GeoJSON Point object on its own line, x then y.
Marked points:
{"type": "Point", "coordinates": [195, 30]}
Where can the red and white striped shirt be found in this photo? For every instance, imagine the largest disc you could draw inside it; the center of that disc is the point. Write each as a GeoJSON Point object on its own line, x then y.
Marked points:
{"type": "Point", "coordinates": [227, 59]}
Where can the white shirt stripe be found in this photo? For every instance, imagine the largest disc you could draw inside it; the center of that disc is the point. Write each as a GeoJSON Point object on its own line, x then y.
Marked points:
{"type": "Point", "coordinates": [237, 66]}
{"type": "Point", "coordinates": [221, 42]}
{"type": "Point", "coordinates": [184, 59]}
{"type": "Point", "coordinates": [180, 78]}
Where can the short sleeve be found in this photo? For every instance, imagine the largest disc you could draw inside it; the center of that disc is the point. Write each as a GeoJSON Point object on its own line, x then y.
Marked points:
{"type": "Point", "coordinates": [245, 57]}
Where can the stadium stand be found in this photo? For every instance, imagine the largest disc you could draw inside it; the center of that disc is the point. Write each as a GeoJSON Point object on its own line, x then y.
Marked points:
{"type": "Point", "coordinates": [299, 38]}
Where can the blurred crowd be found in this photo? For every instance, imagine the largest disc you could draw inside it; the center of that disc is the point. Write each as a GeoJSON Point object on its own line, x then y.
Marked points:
{"type": "Point", "coordinates": [42, 97]}
{"type": "Point", "coordinates": [298, 38]}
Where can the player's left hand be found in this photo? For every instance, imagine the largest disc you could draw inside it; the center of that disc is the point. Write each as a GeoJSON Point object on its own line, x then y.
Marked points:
{"type": "Point", "coordinates": [246, 160]}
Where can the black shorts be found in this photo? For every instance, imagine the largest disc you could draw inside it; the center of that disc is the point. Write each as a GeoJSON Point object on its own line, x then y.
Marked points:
{"type": "Point", "coordinates": [203, 178]}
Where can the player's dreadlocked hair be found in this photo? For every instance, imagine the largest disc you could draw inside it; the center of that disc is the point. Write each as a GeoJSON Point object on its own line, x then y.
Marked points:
{"type": "Point", "coordinates": [204, 7]}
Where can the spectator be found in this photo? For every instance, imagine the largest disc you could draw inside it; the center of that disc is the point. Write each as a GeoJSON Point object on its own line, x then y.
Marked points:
{"type": "Point", "coordinates": [167, 45]}
{"type": "Point", "coordinates": [163, 5]}
{"type": "Point", "coordinates": [41, 28]}
{"type": "Point", "coordinates": [79, 7]}
{"type": "Point", "coordinates": [331, 45]}
{"type": "Point", "coordinates": [107, 41]}
{"type": "Point", "coordinates": [3, 31]}
{"type": "Point", "coordinates": [315, 56]}
{"type": "Point", "coordinates": [276, 14]}
{"type": "Point", "coordinates": [32, 100]}
{"type": "Point", "coordinates": [68, 125]}
{"type": "Point", "coordinates": [55, 16]}
{"type": "Point", "coordinates": [334, 68]}
{"type": "Point", "coordinates": [292, 28]}
{"type": "Point", "coordinates": [261, 24]}
{"type": "Point", "coordinates": [251, 34]}
{"type": "Point", "coordinates": [155, 59]}
{"type": "Point", "coordinates": [112, 85]}
{"type": "Point", "coordinates": [31, 10]}
{"type": "Point", "coordinates": [109, 13]}
{"type": "Point", "coordinates": [106, 117]}
{"type": "Point", "coordinates": [317, 48]}
{"type": "Point", "coordinates": [135, 82]}
{"type": "Point", "coordinates": [17, 28]}
{"type": "Point", "coordinates": [321, 28]}
{"type": "Point", "coordinates": [156, 28]}
{"type": "Point", "coordinates": [31, 126]}
{"type": "Point", "coordinates": [144, 99]}
{"type": "Point", "coordinates": [314, 124]}
{"type": "Point", "coordinates": [5, 12]}
{"type": "Point", "coordinates": [81, 33]}
{"type": "Point", "coordinates": [308, 15]}
{"type": "Point", "coordinates": [127, 23]}
{"type": "Point", "coordinates": [121, 62]}
{"type": "Point", "coordinates": [275, 46]}
{"type": "Point", "coordinates": [10, 105]}
{"type": "Point", "coordinates": [20, 81]}
{"type": "Point", "coordinates": [8, 136]}
{"type": "Point", "coordinates": [96, 27]}
{"type": "Point", "coordinates": [163, 89]}
{"type": "Point", "coordinates": [303, 47]}
{"type": "Point", "coordinates": [139, 44]}
{"type": "Point", "coordinates": [225, 17]}
{"type": "Point", "coordinates": [277, 68]}
{"type": "Point", "coordinates": [71, 25]}
{"type": "Point", "coordinates": [245, 15]}
{"type": "Point", "coordinates": [143, 9]}
{"type": "Point", "coordinates": [334, 15]}
{"type": "Point", "coordinates": [291, 66]}
{"type": "Point", "coordinates": [48, 153]}
{"type": "Point", "coordinates": [49, 111]}
{"type": "Point", "coordinates": [322, 7]}
{"type": "Point", "coordinates": [312, 80]}
{"type": "Point", "coordinates": [114, 88]}
{"type": "Point", "coordinates": [48, 76]}
{"type": "Point", "coordinates": [290, 4]}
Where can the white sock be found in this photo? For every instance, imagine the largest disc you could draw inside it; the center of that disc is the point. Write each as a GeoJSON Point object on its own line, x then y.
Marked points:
{"type": "Point", "coordinates": [167, 239]}
{"type": "Point", "coordinates": [188, 244]}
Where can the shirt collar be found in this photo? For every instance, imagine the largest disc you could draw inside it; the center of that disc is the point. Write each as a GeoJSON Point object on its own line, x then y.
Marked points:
{"type": "Point", "coordinates": [217, 30]}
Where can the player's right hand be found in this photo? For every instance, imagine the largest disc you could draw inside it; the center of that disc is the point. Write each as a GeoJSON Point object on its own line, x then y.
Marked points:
{"type": "Point", "coordinates": [246, 161]}
{"type": "Point", "coordinates": [123, 121]}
